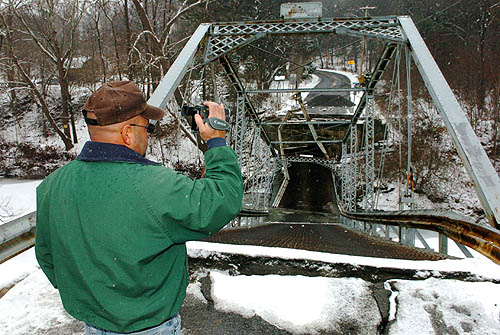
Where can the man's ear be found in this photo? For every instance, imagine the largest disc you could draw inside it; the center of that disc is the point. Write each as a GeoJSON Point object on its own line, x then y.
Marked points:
{"type": "Point", "coordinates": [127, 134]}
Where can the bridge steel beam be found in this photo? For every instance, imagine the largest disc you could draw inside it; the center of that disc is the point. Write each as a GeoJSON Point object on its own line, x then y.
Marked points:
{"type": "Point", "coordinates": [239, 126]}
{"type": "Point", "coordinates": [226, 37]}
{"type": "Point", "coordinates": [295, 90]}
{"type": "Point", "coordinates": [352, 169]}
{"type": "Point", "coordinates": [470, 150]}
{"type": "Point", "coordinates": [370, 155]}
{"type": "Point", "coordinates": [301, 122]}
{"type": "Point", "coordinates": [306, 142]}
{"type": "Point", "coordinates": [176, 72]}
{"type": "Point", "coordinates": [328, 163]}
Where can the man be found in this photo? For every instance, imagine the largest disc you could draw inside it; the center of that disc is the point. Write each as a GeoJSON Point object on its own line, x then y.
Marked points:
{"type": "Point", "coordinates": [112, 225]}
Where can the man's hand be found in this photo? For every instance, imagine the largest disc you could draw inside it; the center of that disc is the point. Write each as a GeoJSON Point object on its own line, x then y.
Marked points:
{"type": "Point", "coordinates": [207, 132]}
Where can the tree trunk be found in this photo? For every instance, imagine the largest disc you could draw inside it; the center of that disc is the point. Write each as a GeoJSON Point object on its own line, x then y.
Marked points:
{"type": "Point", "coordinates": [66, 101]}
{"type": "Point", "coordinates": [99, 46]}
{"type": "Point", "coordinates": [95, 72]}
{"type": "Point", "coordinates": [115, 43]}
{"type": "Point", "coordinates": [61, 74]}
{"type": "Point", "coordinates": [10, 72]}
{"type": "Point", "coordinates": [318, 44]}
{"type": "Point", "coordinates": [128, 37]}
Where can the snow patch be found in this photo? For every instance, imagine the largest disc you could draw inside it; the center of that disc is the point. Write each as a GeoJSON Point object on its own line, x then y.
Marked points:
{"type": "Point", "coordinates": [298, 304]}
{"type": "Point", "coordinates": [33, 306]}
{"type": "Point", "coordinates": [434, 306]}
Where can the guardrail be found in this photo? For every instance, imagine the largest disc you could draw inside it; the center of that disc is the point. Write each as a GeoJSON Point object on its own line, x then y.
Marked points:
{"type": "Point", "coordinates": [461, 229]}
{"type": "Point", "coordinates": [17, 235]}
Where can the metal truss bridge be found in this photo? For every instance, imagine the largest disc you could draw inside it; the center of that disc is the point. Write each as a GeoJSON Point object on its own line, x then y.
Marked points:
{"type": "Point", "coordinates": [345, 146]}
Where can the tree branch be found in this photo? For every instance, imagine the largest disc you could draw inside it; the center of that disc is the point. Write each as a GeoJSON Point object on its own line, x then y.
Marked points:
{"type": "Point", "coordinates": [29, 82]}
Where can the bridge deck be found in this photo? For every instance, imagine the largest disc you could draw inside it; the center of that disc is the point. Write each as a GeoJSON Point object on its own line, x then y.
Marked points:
{"type": "Point", "coordinates": [331, 238]}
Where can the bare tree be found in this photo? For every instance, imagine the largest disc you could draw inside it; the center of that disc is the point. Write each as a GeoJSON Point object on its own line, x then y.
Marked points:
{"type": "Point", "coordinates": [95, 17]}
{"type": "Point", "coordinates": [8, 66]}
{"type": "Point", "coordinates": [31, 85]}
{"type": "Point", "coordinates": [53, 27]}
{"type": "Point", "coordinates": [106, 8]}
{"type": "Point", "coordinates": [158, 38]}
{"type": "Point", "coordinates": [128, 37]}
{"type": "Point", "coordinates": [157, 41]}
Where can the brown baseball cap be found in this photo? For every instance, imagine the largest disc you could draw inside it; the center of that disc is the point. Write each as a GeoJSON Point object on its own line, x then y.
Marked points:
{"type": "Point", "coordinates": [118, 101]}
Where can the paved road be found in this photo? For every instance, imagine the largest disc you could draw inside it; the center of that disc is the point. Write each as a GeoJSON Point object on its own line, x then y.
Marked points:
{"type": "Point", "coordinates": [330, 80]}
{"type": "Point", "coordinates": [324, 103]}
{"type": "Point", "coordinates": [200, 318]}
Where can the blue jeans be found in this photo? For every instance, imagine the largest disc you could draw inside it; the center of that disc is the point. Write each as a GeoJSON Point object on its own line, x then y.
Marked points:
{"type": "Point", "coordinates": [169, 327]}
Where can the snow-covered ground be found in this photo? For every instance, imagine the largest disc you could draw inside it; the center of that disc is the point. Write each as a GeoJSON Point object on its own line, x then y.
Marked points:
{"type": "Point", "coordinates": [298, 304]}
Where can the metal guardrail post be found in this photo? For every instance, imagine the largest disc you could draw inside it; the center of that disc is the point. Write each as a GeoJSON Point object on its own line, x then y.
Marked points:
{"type": "Point", "coordinates": [443, 244]}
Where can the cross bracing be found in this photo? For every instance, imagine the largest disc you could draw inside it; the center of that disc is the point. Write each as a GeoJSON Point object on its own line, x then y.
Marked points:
{"type": "Point", "coordinates": [328, 163]}
{"type": "Point", "coordinates": [226, 37]}
{"type": "Point", "coordinates": [301, 130]}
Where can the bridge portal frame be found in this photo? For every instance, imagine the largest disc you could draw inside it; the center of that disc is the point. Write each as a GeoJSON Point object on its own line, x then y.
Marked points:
{"type": "Point", "coordinates": [222, 38]}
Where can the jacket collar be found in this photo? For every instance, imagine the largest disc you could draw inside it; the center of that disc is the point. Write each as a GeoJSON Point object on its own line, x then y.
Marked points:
{"type": "Point", "coordinates": [108, 152]}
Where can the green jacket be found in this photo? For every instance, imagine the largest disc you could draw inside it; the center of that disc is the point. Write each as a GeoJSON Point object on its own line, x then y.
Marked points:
{"type": "Point", "coordinates": [112, 227]}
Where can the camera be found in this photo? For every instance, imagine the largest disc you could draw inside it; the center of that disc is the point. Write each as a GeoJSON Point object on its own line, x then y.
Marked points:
{"type": "Point", "coordinates": [190, 111]}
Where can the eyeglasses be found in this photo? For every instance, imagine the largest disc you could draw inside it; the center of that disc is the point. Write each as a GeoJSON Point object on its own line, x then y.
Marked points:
{"type": "Point", "coordinates": [150, 128]}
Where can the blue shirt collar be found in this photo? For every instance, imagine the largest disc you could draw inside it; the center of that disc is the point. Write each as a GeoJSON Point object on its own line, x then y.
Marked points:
{"type": "Point", "coordinates": [108, 152]}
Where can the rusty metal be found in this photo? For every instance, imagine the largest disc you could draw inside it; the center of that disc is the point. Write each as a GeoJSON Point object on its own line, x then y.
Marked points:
{"type": "Point", "coordinates": [461, 229]}
{"type": "Point", "coordinates": [17, 235]}
{"type": "Point", "coordinates": [16, 245]}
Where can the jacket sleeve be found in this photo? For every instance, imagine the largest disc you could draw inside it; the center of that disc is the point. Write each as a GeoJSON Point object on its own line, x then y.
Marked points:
{"type": "Point", "coordinates": [194, 209]}
{"type": "Point", "coordinates": [43, 251]}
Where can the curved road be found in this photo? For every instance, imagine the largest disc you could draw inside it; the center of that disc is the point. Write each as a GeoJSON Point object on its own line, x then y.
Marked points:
{"type": "Point", "coordinates": [330, 80]}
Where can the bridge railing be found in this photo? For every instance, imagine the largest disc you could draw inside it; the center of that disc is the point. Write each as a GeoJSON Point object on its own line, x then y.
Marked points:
{"type": "Point", "coordinates": [17, 235]}
{"type": "Point", "coordinates": [405, 225]}
{"type": "Point", "coordinates": [460, 229]}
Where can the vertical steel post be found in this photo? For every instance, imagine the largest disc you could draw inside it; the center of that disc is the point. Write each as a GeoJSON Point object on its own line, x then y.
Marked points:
{"type": "Point", "coordinates": [369, 154]}
{"type": "Point", "coordinates": [253, 168]}
{"type": "Point", "coordinates": [443, 244]}
{"type": "Point", "coordinates": [239, 126]}
{"type": "Point", "coordinates": [343, 174]}
{"type": "Point", "coordinates": [408, 193]}
{"type": "Point", "coordinates": [270, 169]}
{"type": "Point", "coordinates": [353, 168]}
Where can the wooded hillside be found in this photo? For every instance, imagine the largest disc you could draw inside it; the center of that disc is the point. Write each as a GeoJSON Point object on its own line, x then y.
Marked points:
{"type": "Point", "coordinates": [71, 43]}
